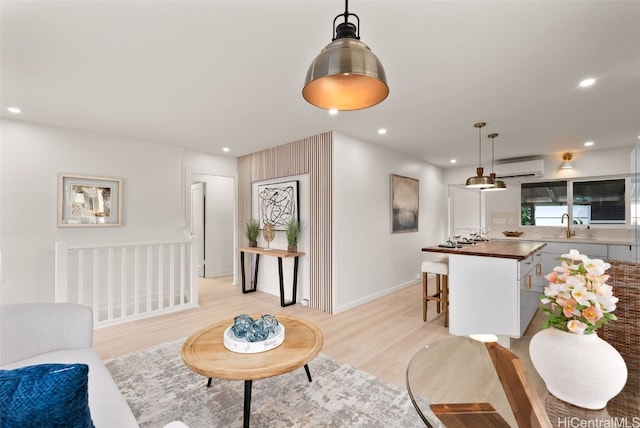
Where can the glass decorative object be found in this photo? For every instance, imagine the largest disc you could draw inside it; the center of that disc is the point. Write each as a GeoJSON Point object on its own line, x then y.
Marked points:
{"type": "Point", "coordinates": [254, 330]}
{"type": "Point", "coordinates": [241, 325]}
{"type": "Point", "coordinates": [248, 336]}
{"type": "Point", "coordinates": [270, 322]}
{"type": "Point", "coordinates": [257, 332]}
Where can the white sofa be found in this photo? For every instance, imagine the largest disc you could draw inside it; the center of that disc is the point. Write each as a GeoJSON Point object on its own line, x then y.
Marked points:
{"type": "Point", "coordinates": [38, 333]}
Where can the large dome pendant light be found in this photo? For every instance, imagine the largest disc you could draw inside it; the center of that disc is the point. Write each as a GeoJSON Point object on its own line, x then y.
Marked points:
{"type": "Point", "coordinates": [498, 184]}
{"type": "Point", "coordinates": [346, 75]}
{"type": "Point", "coordinates": [480, 181]}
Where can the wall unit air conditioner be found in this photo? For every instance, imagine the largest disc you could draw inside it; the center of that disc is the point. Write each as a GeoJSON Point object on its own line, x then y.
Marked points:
{"type": "Point", "coordinates": [520, 169]}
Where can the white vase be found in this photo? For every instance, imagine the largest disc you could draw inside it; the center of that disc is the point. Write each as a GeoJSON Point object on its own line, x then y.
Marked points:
{"type": "Point", "coordinates": [582, 370]}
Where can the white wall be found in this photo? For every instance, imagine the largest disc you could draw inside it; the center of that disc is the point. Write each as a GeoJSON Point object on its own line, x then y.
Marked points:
{"type": "Point", "coordinates": [33, 155]}
{"type": "Point", "coordinates": [370, 261]}
{"type": "Point", "coordinates": [592, 163]}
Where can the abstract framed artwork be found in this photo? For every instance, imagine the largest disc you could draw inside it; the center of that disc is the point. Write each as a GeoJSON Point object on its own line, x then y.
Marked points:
{"type": "Point", "coordinates": [89, 201]}
{"type": "Point", "coordinates": [404, 204]}
{"type": "Point", "coordinates": [278, 203]}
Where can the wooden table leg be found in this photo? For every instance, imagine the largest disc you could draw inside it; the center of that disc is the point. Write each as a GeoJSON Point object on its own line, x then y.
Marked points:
{"type": "Point", "coordinates": [247, 403]}
{"type": "Point", "coordinates": [255, 276]}
{"type": "Point", "coordinates": [306, 369]}
{"type": "Point", "coordinates": [295, 278]}
{"type": "Point", "coordinates": [295, 282]}
{"type": "Point", "coordinates": [255, 273]}
{"type": "Point", "coordinates": [244, 281]}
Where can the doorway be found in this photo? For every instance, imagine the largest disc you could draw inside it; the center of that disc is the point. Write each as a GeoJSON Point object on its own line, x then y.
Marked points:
{"type": "Point", "coordinates": [212, 223]}
{"type": "Point", "coordinates": [465, 209]}
{"type": "Point", "coordinates": [198, 208]}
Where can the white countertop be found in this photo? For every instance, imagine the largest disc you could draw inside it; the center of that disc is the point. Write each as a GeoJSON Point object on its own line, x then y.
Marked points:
{"type": "Point", "coordinates": [577, 239]}
{"type": "Point", "coordinates": [583, 234]}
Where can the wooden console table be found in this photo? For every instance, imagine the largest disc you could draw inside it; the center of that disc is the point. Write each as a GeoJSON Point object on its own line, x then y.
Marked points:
{"type": "Point", "coordinates": [280, 254]}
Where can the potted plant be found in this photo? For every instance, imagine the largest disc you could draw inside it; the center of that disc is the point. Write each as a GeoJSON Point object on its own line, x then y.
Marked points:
{"type": "Point", "coordinates": [252, 229]}
{"type": "Point", "coordinates": [293, 232]}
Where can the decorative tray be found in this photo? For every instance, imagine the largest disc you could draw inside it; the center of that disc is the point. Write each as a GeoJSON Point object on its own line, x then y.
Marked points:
{"type": "Point", "coordinates": [512, 233]}
{"type": "Point", "coordinates": [242, 346]}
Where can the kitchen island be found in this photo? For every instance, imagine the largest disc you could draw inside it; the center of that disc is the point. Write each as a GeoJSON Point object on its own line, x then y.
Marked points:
{"type": "Point", "coordinates": [494, 287]}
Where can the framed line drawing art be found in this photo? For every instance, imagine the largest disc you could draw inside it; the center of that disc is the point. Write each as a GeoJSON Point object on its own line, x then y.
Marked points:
{"type": "Point", "coordinates": [404, 204]}
{"type": "Point", "coordinates": [89, 201]}
{"type": "Point", "coordinates": [278, 203]}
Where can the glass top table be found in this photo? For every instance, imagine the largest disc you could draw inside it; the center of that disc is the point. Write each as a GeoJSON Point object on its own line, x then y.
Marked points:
{"type": "Point", "coordinates": [459, 370]}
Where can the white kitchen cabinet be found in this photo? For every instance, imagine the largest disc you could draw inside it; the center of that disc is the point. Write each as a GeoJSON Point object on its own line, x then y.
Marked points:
{"type": "Point", "coordinates": [625, 253]}
{"type": "Point", "coordinates": [531, 288]}
{"type": "Point", "coordinates": [553, 250]}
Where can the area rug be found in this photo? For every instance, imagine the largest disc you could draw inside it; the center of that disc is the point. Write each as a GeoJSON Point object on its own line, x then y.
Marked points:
{"type": "Point", "coordinates": [159, 388]}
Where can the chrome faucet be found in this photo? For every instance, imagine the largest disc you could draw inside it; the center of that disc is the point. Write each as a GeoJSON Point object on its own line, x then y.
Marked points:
{"type": "Point", "coordinates": [569, 231]}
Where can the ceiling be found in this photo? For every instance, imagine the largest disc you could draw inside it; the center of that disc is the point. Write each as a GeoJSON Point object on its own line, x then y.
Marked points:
{"type": "Point", "coordinates": [212, 74]}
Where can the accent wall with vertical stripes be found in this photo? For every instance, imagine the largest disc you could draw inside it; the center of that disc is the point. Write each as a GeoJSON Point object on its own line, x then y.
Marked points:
{"type": "Point", "coordinates": [312, 156]}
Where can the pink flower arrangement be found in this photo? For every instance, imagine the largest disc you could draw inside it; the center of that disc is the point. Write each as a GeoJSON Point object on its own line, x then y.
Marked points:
{"type": "Point", "coordinates": [581, 300]}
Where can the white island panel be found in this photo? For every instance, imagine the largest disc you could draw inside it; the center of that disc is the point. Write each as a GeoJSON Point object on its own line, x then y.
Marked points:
{"type": "Point", "coordinates": [483, 295]}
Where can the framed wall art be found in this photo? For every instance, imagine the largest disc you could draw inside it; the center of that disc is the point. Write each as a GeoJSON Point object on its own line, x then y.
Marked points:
{"type": "Point", "coordinates": [85, 201]}
{"type": "Point", "coordinates": [278, 203]}
{"type": "Point", "coordinates": [404, 204]}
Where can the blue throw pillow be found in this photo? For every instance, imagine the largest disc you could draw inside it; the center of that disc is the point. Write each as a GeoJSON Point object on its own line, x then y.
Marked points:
{"type": "Point", "coordinates": [45, 395]}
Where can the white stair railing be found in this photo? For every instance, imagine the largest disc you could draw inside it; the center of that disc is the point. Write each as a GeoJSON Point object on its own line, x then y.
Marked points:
{"type": "Point", "coordinates": [124, 282]}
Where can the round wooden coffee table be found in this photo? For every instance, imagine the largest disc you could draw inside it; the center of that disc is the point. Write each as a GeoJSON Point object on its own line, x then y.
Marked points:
{"type": "Point", "coordinates": [204, 353]}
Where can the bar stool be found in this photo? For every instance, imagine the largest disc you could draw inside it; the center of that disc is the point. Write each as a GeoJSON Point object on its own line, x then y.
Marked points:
{"type": "Point", "coordinates": [440, 268]}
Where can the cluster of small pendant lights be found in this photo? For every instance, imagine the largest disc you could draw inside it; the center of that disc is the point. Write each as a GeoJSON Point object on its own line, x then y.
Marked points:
{"type": "Point", "coordinates": [480, 181]}
{"type": "Point", "coordinates": [346, 75]}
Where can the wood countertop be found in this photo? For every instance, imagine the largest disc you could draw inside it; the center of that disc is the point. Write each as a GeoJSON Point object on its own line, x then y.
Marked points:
{"type": "Point", "coordinates": [518, 250]}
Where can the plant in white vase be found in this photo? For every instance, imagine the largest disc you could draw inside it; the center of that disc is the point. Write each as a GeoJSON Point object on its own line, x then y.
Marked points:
{"type": "Point", "coordinates": [576, 365]}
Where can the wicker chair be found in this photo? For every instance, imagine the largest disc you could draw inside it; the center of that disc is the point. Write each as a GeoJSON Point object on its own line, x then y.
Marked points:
{"type": "Point", "coordinates": [624, 334]}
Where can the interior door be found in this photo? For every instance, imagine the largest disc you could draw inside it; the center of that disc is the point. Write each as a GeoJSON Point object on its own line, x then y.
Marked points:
{"type": "Point", "coordinates": [198, 195]}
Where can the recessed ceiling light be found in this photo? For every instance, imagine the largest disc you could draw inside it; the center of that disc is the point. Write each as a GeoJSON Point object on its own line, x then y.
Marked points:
{"type": "Point", "coordinates": [453, 161]}
{"type": "Point", "coordinates": [587, 82]}
{"type": "Point", "coordinates": [225, 149]}
{"type": "Point", "coordinates": [14, 110]}
{"type": "Point", "coordinates": [588, 143]}
{"type": "Point", "coordinates": [333, 111]}
{"type": "Point", "coordinates": [382, 131]}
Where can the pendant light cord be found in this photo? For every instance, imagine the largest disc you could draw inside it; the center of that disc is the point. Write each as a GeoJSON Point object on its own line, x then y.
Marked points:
{"type": "Point", "coordinates": [346, 15]}
{"type": "Point", "coordinates": [479, 146]}
{"type": "Point", "coordinates": [492, 155]}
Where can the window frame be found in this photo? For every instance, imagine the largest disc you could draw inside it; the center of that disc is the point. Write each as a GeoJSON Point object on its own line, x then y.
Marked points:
{"type": "Point", "coordinates": [570, 181]}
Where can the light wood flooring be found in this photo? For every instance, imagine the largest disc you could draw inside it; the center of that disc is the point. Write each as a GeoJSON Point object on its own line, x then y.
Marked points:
{"type": "Point", "coordinates": [379, 337]}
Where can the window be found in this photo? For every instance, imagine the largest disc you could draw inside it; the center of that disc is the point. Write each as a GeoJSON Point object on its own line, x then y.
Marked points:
{"type": "Point", "coordinates": [589, 202]}
{"type": "Point", "coordinates": [599, 202]}
{"type": "Point", "coordinates": [543, 203]}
